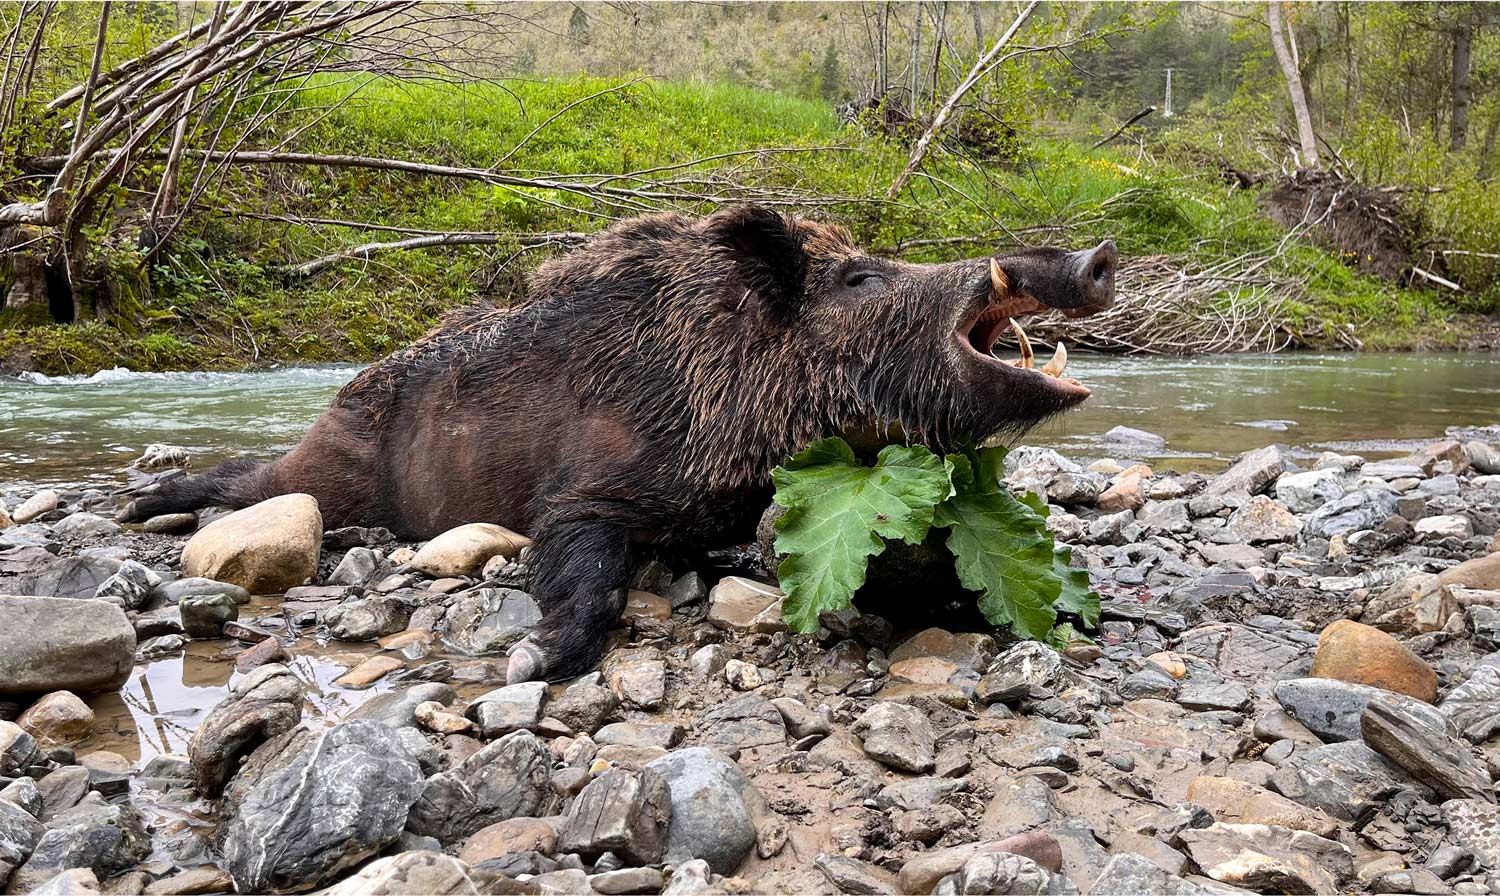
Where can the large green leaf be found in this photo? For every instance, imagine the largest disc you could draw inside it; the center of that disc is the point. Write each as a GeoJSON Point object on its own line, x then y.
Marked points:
{"type": "Point", "coordinates": [837, 514]}
{"type": "Point", "coordinates": [1001, 546]}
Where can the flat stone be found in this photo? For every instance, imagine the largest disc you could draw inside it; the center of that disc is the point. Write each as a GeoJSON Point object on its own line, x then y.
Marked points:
{"type": "Point", "coordinates": [850, 875]}
{"type": "Point", "coordinates": [1131, 873]}
{"type": "Point", "coordinates": [265, 549]}
{"type": "Point", "coordinates": [368, 672]}
{"type": "Point", "coordinates": [1427, 753]}
{"type": "Point", "coordinates": [84, 646]}
{"type": "Point", "coordinates": [204, 616]}
{"type": "Point", "coordinates": [1474, 706]}
{"type": "Point", "coordinates": [1346, 779]}
{"type": "Point", "coordinates": [1365, 508]}
{"type": "Point", "coordinates": [1266, 857]}
{"type": "Point", "coordinates": [745, 605]}
{"type": "Point", "coordinates": [421, 871]}
{"type": "Point", "coordinates": [967, 650]}
{"type": "Point", "coordinates": [489, 621]}
{"type": "Point", "coordinates": [101, 837]}
{"type": "Point", "coordinates": [203, 879]}
{"type": "Point", "coordinates": [463, 550]}
{"type": "Point", "coordinates": [84, 527]}
{"type": "Point", "coordinates": [639, 682]}
{"type": "Point", "coordinates": [1433, 528]}
{"type": "Point", "coordinates": [1360, 654]}
{"type": "Point", "coordinates": [922, 872]}
{"type": "Point", "coordinates": [1233, 800]}
{"type": "Point", "coordinates": [1475, 825]}
{"type": "Point", "coordinates": [42, 502]}
{"type": "Point", "coordinates": [1306, 492]}
{"type": "Point", "coordinates": [1479, 574]}
{"type": "Point", "coordinates": [366, 619]}
{"type": "Point", "coordinates": [511, 835]}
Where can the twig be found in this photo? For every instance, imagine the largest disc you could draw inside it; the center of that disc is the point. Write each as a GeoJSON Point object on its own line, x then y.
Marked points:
{"type": "Point", "coordinates": [363, 253]}
{"type": "Point", "coordinates": [1121, 129]}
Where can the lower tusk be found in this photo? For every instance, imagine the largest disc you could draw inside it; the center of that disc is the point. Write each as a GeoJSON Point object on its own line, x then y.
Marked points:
{"type": "Point", "coordinates": [1059, 361]}
{"type": "Point", "coordinates": [1028, 360]}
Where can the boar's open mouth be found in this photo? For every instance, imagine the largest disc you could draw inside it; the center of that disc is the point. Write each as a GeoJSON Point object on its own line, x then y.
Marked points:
{"type": "Point", "coordinates": [981, 327]}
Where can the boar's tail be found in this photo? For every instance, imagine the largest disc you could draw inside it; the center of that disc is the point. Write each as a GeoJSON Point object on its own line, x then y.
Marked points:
{"type": "Point", "coordinates": [235, 483]}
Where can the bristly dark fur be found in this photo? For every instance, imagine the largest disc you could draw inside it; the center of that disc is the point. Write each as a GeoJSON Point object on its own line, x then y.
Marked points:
{"type": "Point", "coordinates": [642, 397]}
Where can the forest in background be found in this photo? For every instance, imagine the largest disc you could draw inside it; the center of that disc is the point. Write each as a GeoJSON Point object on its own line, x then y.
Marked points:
{"type": "Point", "coordinates": [208, 185]}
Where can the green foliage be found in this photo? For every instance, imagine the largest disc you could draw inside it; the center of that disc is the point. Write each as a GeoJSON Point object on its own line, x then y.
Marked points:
{"type": "Point", "coordinates": [840, 513]}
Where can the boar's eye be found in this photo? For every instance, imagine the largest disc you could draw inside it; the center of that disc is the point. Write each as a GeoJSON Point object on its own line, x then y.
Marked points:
{"type": "Point", "coordinates": [857, 277]}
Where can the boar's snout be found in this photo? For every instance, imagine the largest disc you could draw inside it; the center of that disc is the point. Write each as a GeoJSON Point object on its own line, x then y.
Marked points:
{"type": "Point", "coordinates": [1092, 272]}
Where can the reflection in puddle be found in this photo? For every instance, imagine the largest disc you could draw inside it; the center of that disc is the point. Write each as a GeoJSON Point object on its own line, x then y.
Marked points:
{"type": "Point", "coordinates": [168, 698]}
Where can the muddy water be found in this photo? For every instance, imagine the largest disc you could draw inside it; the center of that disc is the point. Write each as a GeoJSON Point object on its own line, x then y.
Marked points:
{"type": "Point", "coordinates": [83, 430]}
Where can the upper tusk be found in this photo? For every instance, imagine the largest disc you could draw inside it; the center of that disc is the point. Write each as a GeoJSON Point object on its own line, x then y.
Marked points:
{"type": "Point", "coordinates": [1027, 358]}
{"type": "Point", "coordinates": [998, 281]}
{"type": "Point", "coordinates": [1059, 361]}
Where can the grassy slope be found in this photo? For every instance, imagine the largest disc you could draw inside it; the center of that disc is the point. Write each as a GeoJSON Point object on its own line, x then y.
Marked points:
{"type": "Point", "coordinates": [218, 303]}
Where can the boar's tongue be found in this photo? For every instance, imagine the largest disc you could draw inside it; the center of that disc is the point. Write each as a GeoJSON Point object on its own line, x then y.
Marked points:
{"type": "Point", "coordinates": [1054, 367]}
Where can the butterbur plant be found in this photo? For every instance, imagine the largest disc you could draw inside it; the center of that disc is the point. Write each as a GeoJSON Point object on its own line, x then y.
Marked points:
{"type": "Point", "coordinates": [840, 513]}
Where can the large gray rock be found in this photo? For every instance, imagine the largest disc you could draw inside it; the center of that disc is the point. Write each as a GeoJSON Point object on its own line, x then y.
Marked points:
{"type": "Point", "coordinates": [100, 836]}
{"type": "Point", "coordinates": [18, 749]}
{"type": "Point", "coordinates": [1346, 780]}
{"type": "Point", "coordinates": [1252, 471]}
{"type": "Point", "coordinates": [342, 800]}
{"type": "Point", "coordinates": [1331, 709]}
{"type": "Point", "coordinates": [1362, 509]}
{"type": "Point", "coordinates": [514, 707]}
{"type": "Point", "coordinates": [509, 778]}
{"type": "Point", "coordinates": [713, 808]}
{"type": "Point", "coordinates": [399, 708]}
{"type": "Point", "coordinates": [1306, 492]}
{"type": "Point", "coordinates": [623, 812]}
{"type": "Point", "coordinates": [62, 644]}
{"type": "Point", "coordinates": [1475, 825]}
{"type": "Point", "coordinates": [1429, 754]}
{"type": "Point", "coordinates": [1007, 874]}
{"type": "Point", "coordinates": [489, 621]}
{"type": "Point", "coordinates": [204, 616]}
{"type": "Point", "coordinates": [1262, 520]}
{"type": "Point", "coordinates": [83, 526]}
{"type": "Point", "coordinates": [76, 577]}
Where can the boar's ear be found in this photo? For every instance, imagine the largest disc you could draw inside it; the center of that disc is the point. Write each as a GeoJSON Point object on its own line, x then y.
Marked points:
{"type": "Point", "coordinates": [767, 250]}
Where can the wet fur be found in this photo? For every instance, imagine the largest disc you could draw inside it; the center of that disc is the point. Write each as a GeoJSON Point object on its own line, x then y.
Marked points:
{"type": "Point", "coordinates": [642, 398]}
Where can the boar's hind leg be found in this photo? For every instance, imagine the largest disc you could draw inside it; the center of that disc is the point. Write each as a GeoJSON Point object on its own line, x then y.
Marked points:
{"type": "Point", "coordinates": [580, 569]}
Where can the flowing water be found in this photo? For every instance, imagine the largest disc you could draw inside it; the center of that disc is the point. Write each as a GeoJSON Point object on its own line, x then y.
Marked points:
{"type": "Point", "coordinates": [73, 431]}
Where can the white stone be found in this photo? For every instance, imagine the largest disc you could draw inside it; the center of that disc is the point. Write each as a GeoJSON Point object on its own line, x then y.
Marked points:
{"type": "Point", "coordinates": [1447, 526]}
{"type": "Point", "coordinates": [42, 502]}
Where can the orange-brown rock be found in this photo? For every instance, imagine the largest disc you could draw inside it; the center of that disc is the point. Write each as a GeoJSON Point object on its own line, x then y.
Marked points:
{"type": "Point", "coordinates": [1350, 651]}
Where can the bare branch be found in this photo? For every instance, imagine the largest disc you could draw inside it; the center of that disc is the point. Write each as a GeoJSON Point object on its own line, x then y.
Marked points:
{"type": "Point", "coordinates": [460, 238]}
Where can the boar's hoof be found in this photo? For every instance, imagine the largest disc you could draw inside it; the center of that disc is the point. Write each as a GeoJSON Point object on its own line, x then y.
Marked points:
{"type": "Point", "coordinates": [526, 663]}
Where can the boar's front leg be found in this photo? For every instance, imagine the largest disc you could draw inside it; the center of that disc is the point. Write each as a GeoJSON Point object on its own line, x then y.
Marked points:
{"type": "Point", "coordinates": [581, 565]}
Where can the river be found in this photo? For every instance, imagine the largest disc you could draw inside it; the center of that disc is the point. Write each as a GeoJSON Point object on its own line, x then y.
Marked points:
{"type": "Point", "coordinates": [73, 430]}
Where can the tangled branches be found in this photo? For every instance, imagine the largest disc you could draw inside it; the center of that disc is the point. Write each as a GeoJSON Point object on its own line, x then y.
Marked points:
{"type": "Point", "coordinates": [1168, 308]}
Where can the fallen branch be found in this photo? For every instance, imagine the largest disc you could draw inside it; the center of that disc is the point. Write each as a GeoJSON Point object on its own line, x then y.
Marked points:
{"type": "Point", "coordinates": [362, 253]}
{"type": "Point", "coordinates": [1434, 278]}
{"type": "Point", "coordinates": [1121, 129]}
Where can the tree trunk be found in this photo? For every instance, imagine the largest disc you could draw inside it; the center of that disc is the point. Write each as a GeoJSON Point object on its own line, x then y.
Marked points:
{"type": "Point", "coordinates": [916, 59]}
{"type": "Point", "coordinates": [882, 39]}
{"type": "Point", "coordinates": [978, 25]}
{"type": "Point", "coordinates": [1305, 136]}
{"type": "Point", "coordinates": [937, 49]}
{"type": "Point", "coordinates": [1463, 40]}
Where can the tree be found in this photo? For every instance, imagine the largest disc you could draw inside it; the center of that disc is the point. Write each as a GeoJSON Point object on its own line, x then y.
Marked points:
{"type": "Point", "coordinates": [829, 81]}
{"type": "Point", "coordinates": [1305, 136]}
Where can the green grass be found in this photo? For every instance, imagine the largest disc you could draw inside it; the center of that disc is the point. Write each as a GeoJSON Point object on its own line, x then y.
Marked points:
{"type": "Point", "coordinates": [218, 302]}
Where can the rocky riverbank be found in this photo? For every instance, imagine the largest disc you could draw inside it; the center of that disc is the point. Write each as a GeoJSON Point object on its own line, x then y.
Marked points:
{"type": "Point", "coordinates": [1294, 689]}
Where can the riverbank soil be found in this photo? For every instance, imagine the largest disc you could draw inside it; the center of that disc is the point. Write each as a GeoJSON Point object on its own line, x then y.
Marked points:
{"type": "Point", "coordinates": [1292, 689]}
